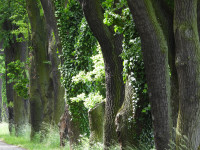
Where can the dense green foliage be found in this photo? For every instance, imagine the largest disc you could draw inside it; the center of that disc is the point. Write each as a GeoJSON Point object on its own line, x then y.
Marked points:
{"type": "Point", "coordinates": [14, 28]}
{"type": "Point", "coordinates": [133, 65]}
{"type": "Point", "coordinates": [94, 80]}
{"type": "Point", "coordinates": [78, 47]}
{"type": "Point", "coordinates": [15, 13]}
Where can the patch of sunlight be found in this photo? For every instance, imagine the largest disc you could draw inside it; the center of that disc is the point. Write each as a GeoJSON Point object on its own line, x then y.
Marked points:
{"type": "Point", "coordinates": [4, 128]}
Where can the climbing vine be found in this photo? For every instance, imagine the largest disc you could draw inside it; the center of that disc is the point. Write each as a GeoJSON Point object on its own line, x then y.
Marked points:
{"type": "Point", "coordinates": [118, 15]}
{"type": "Point", "coordinates": [78, 46]}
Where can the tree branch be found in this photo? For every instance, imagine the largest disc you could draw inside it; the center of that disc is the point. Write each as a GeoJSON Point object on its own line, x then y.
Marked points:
{"type": "Point", "coordinates": [94, 16]}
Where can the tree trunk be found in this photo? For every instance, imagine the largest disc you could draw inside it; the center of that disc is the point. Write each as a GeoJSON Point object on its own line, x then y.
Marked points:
{"type": "Point", "coordinates": [9, 57]}
{"type": "Point", "coordinates": [124, 119]}
{"type": "Point", "coordinates": [5, 114]}
{"type": "Point", "coordinates": [96, 121]}
{"type": "Point", "coordinates": [1, 103]}
{"type": "Point", "coordinates": [21, 105]}
{"type": "Point", "coordinates": [155, 54]}
{"type": "Point", "coordinates": [18, 113]}
{"type": "Point", "coordinates": [21, 114]}
{"type": "Point", "coordinates": [54, 47]}
{"type": "Point", "coordinates": [187, 63]}
{"type": "Point", "coordinates": [68, 129]}
{"type": "Point", "coordinates": [46, 93]}
{"type": "Point", "coordinates": [41, 84]}
{"type": "Point", "coordinates": [111, 46]}
{"type": "Point", "coordinates": [165, 15]}
{"type": "Point", "coordinates": [63, 128]}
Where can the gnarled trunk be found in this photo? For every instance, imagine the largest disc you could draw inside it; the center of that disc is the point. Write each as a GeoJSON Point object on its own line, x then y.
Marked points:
{"type": "Point", "coordinates": [124, 119]}
{"type": "Point", "coordinates": [41, 84]}
{"type": "Point", "coordinates": [46, 93]}
{"type": "Point", "coordinates": [96, 121]}
{"type": "Point", "coordinates": [187, 64]}
{"type": "Point", "coordinates": [68, 130]}
{"type": "Point", "coordinates": [155, 55]}
{"type": "Point", "coordinates": [21, 105]}
{"type": "Point", "coordinates": [54, 47]}
{"type": "Point", "coordinates": [111, 46]}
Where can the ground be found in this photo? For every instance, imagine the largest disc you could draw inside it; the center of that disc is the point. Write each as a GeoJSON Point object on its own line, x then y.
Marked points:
{"type": "Point", "coordinates": [4, 146]}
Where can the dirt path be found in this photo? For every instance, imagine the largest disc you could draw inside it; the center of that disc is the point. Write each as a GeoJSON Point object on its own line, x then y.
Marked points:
{"type": "Point", "coordinates": [4, 146]}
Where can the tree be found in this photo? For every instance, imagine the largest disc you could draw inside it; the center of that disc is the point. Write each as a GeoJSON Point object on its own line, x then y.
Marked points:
{"type": "Point", "coordinates": [173, 42]}
{"type": "Point", "coordinates": [21, 104]}
{"type": "Point", "coordinates": [187, 64]}
{"type": "Point", "coordinates": [9, 86]}
{"type": "Point", "coordinates": [111, 46]}
{"type": "Point", "coordinates": [123, 122]}
{"type": "Point", "coordinates": [46, 93]}
{"type": "Point", "coordinates": [54, 49]}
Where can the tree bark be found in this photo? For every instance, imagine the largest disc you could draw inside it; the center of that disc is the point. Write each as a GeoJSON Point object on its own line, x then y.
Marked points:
{"type": "Point", "coordinates": [1, 103]}
{"type": "Point", "coordinates": [187, 63]}
{"type": "Point", "coordinates": [124, 119]}
{"type": "Point", "coordinates": [111, 46]}
{"type": "Point", "coordinates": [9, 57]}
{"type": "Point", "coordinates": [41, 84]}
{"type": "Point", "coordinates": [18, 113]}
{"type": "Point", "coordinates": [155, 55]}
{"type": "Point", "coordinates": [96, 121]}
{"type": "Point", "coordinates": [68, 129]}
{"type": "Point", "coordinates": [46, 92]}
{"type": "Point", "coordinates": [54, 47]}
{"type": "Point", "coordinates": [63, 128]}
{"type": "Point", "coordinates": [5, 115]}
{"type": "Point", "coordinates": [165, 15]}
{"type": "Point", "coordinates": [21, 105]}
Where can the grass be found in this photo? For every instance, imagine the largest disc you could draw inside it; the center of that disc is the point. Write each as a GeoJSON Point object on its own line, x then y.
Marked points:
{"type": "Point", "coordinates": [51, 141]}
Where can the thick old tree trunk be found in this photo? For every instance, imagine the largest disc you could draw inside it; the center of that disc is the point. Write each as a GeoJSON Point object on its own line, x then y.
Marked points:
{"type": "Point", "coordinates": [9, 57]}
{"type": "Point", "coordinates": [164, 14]}
{"type": "Point", "coordinates": [187, 63]}
{"type": "Point", "coordinates": [123, 120]}
{"type": "Point", "coordinates": [18, 113]}
{"type": "Point", "coordinates": [21, 105]}
{"type": "Point", "coordinates": [46, 93]}
{"type": "Point", "coordinates": [96, 121]}
{"type": "Point", "coordinates": [155, 55]}
{"type": "Point", "coordinates": [68, 130]}
{"type": "Point", "coordinates": [111, 46]}
{"type": "Point", "coordinates": [53, 48]}
{"type": "Point", "coordinates": [41, 85]}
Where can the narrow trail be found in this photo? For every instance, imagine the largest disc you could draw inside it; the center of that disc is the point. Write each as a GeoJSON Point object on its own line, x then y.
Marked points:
{"type": "Point", "coordinates": [4, 146]}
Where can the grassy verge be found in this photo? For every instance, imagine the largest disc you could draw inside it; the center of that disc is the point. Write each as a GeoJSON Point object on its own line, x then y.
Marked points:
{"type": "Point", "coordinates": [49, 143]}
